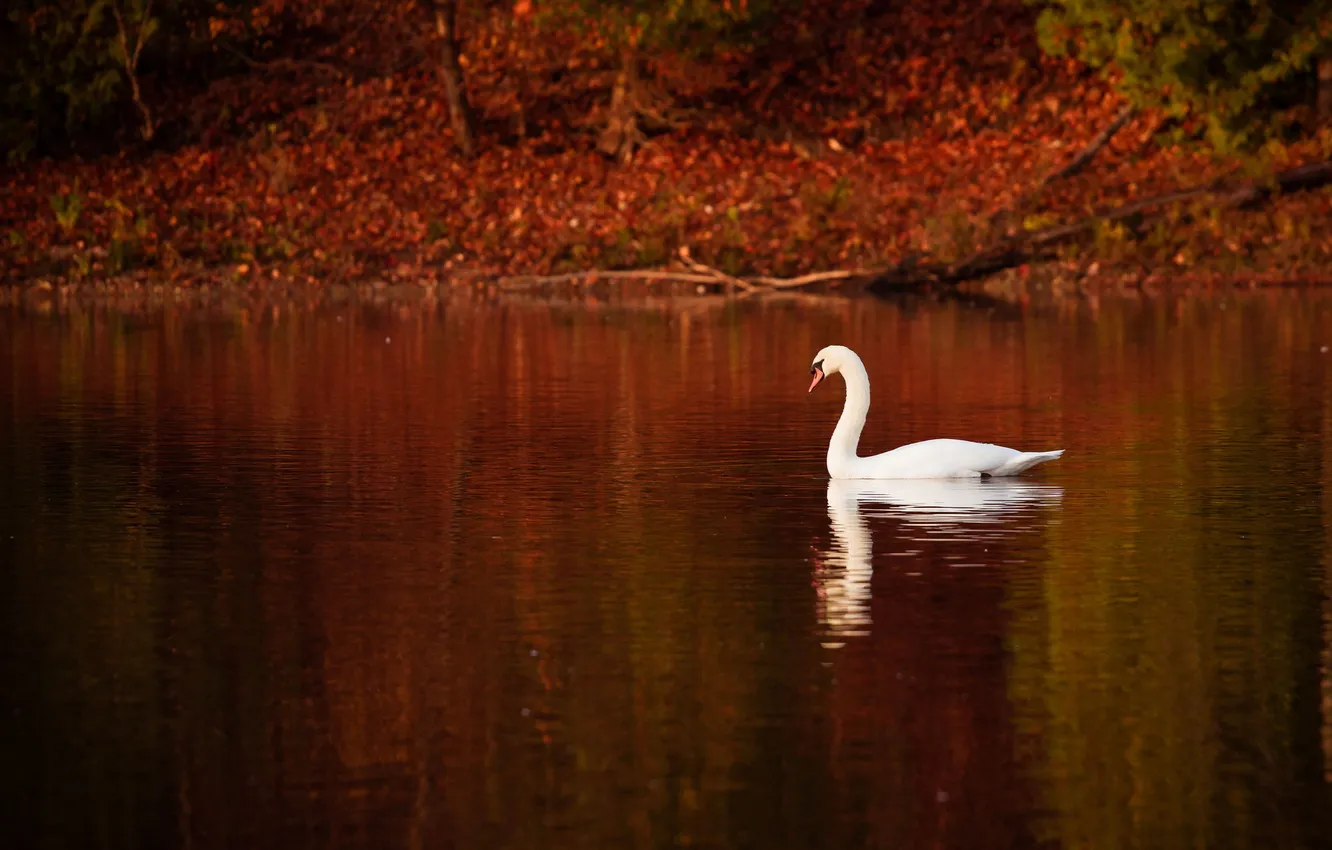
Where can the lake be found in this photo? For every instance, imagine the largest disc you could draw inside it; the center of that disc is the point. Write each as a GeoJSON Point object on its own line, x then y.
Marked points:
{"type": "Point", "coordinates": [512, 573]}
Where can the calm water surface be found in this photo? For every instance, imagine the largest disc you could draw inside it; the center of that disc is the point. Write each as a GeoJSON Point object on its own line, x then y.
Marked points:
{"type": "Point", "coordinates": [528, 576]}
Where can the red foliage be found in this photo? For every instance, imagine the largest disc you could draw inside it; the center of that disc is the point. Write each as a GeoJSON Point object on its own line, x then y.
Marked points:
{"type": "Point", "coordinates": [897, 129]}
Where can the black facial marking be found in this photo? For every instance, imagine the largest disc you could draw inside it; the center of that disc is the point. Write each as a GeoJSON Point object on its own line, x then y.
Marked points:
{"type": "Point", "coordinates": [817, 367]}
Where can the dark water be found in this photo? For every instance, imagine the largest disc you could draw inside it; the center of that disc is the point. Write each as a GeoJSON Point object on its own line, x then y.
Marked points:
{"type": "Point", "coordinates": [523, 576]}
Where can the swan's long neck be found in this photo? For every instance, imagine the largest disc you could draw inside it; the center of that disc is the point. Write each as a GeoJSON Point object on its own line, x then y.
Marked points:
{"type": "Point", "coordinates": [845, 438]}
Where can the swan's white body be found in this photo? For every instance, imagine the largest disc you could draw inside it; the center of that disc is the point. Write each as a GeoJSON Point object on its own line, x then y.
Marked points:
{"type": "Point", "coordinates": [928, 459]}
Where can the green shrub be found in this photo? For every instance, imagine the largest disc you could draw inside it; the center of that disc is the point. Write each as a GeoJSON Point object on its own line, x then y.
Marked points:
{"type": "Point", "coordinates": [58, 72]}
{"type": "Point", "coordinates": [66, 72]}
{"type": "Point", "coordinates": [1234, 64]}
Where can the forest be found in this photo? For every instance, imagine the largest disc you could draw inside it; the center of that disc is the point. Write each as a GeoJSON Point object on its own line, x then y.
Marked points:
{"type": "Point", "coordinates": [745, 145]}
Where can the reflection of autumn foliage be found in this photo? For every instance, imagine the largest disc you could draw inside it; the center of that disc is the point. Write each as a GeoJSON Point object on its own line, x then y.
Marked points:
{"type": "Point", "coordinates": [474, 574]}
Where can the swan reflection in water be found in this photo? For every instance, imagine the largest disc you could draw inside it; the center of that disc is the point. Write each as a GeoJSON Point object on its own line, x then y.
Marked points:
{"type": "Point", "coordinates": [957, 509]}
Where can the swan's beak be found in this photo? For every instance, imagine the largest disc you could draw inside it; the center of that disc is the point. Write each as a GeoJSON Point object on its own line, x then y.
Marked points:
{"type": "Point", "coordinates": [818, 376]}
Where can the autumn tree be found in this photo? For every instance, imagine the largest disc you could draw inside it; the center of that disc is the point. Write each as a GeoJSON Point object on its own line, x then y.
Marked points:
{"type": "Point", "coordinates": [1236, 66]}
{"type": "Point", "coordinates": [73, 69]}
{"type": "Point", "coordinates": [636, 30]}
{"type": "Point", "coordinates": [451, 74]}
{"type": "Point", "coordinates": [58, 71]}
{"type": "Point", "coordinates": [135, 24]}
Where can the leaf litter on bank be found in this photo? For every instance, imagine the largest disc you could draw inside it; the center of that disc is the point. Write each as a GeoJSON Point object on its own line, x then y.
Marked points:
{"type": "Point", "coordinates": [921, 130]}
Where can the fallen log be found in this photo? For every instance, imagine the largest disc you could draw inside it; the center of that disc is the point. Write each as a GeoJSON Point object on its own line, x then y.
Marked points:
{"type": "Point", "coordinates": [696, 272]}
{"type": "Point", "coordinates": [1037, 245]}
{"type": "Point", "coordinates": [915, 271]}
{"type": "Point", "coordinates": [521, 282]}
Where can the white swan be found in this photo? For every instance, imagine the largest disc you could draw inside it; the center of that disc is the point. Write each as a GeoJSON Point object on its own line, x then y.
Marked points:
{"type": "Point", "coordinates": [928, 459]}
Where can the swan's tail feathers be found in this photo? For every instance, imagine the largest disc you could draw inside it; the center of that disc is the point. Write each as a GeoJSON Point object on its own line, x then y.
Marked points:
{"type": "Point", "coordinates": [1026, 460]}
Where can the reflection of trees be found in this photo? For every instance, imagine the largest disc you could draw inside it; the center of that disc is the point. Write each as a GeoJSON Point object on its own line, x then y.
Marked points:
{"type": "Point", "coordinates": [478, 574]}
{"type": "Point", "coordinates": [1165, 658]}
{"type": "Point", "coordinates": [923, 747]}
{"type": "Point", "coordinates": [1326, 668]}
{"type": "Point", "coordinates": [85, 639]}
{"type": "Point", "coordinates": [332, 635]}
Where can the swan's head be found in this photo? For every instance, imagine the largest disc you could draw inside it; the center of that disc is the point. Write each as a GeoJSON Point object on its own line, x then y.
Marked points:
{"type": "Point", "coordinates": [829, 361]}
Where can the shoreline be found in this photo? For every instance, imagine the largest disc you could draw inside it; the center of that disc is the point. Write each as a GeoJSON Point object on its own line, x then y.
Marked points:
{"type": "Point", "coordinates": [1040, 289]}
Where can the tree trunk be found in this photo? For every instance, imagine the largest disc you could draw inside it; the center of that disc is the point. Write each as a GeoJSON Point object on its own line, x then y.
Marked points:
{"type": "Point", "coordinates": [621, 134]}
{"type": "Point", "coordinates": [522, 36]}
{"type": "Point", "coordinates": [129, 60]}
{"type": "Point", "coordinates": [1325, 92]}
{"type": "Point", "coordinates": [450, 71]}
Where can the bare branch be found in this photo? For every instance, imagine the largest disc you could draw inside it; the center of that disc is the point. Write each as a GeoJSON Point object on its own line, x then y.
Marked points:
{"type": "Point", "coordinates": [717, 274]}
{"type": "Point", "coordinates": [816, 277]}
{"type": "Point", "coordinates": [285, 64]}
{"type": "Point", "coordinates": [1000, 216]}
{"type": "Point", "coordinates": [665, 275]}
{"type": "Point", "coordinates": [1093, 147]}
{"type": "Point", "coordinates": [130, 61]}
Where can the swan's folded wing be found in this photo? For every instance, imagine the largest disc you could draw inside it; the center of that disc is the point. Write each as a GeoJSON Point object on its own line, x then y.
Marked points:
{"type": "Point", "coordinates": [950, 459]}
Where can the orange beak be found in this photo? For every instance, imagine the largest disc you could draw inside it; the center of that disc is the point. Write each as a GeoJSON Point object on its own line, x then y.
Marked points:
{"type": "Point", "coordinates": [818, 376]}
